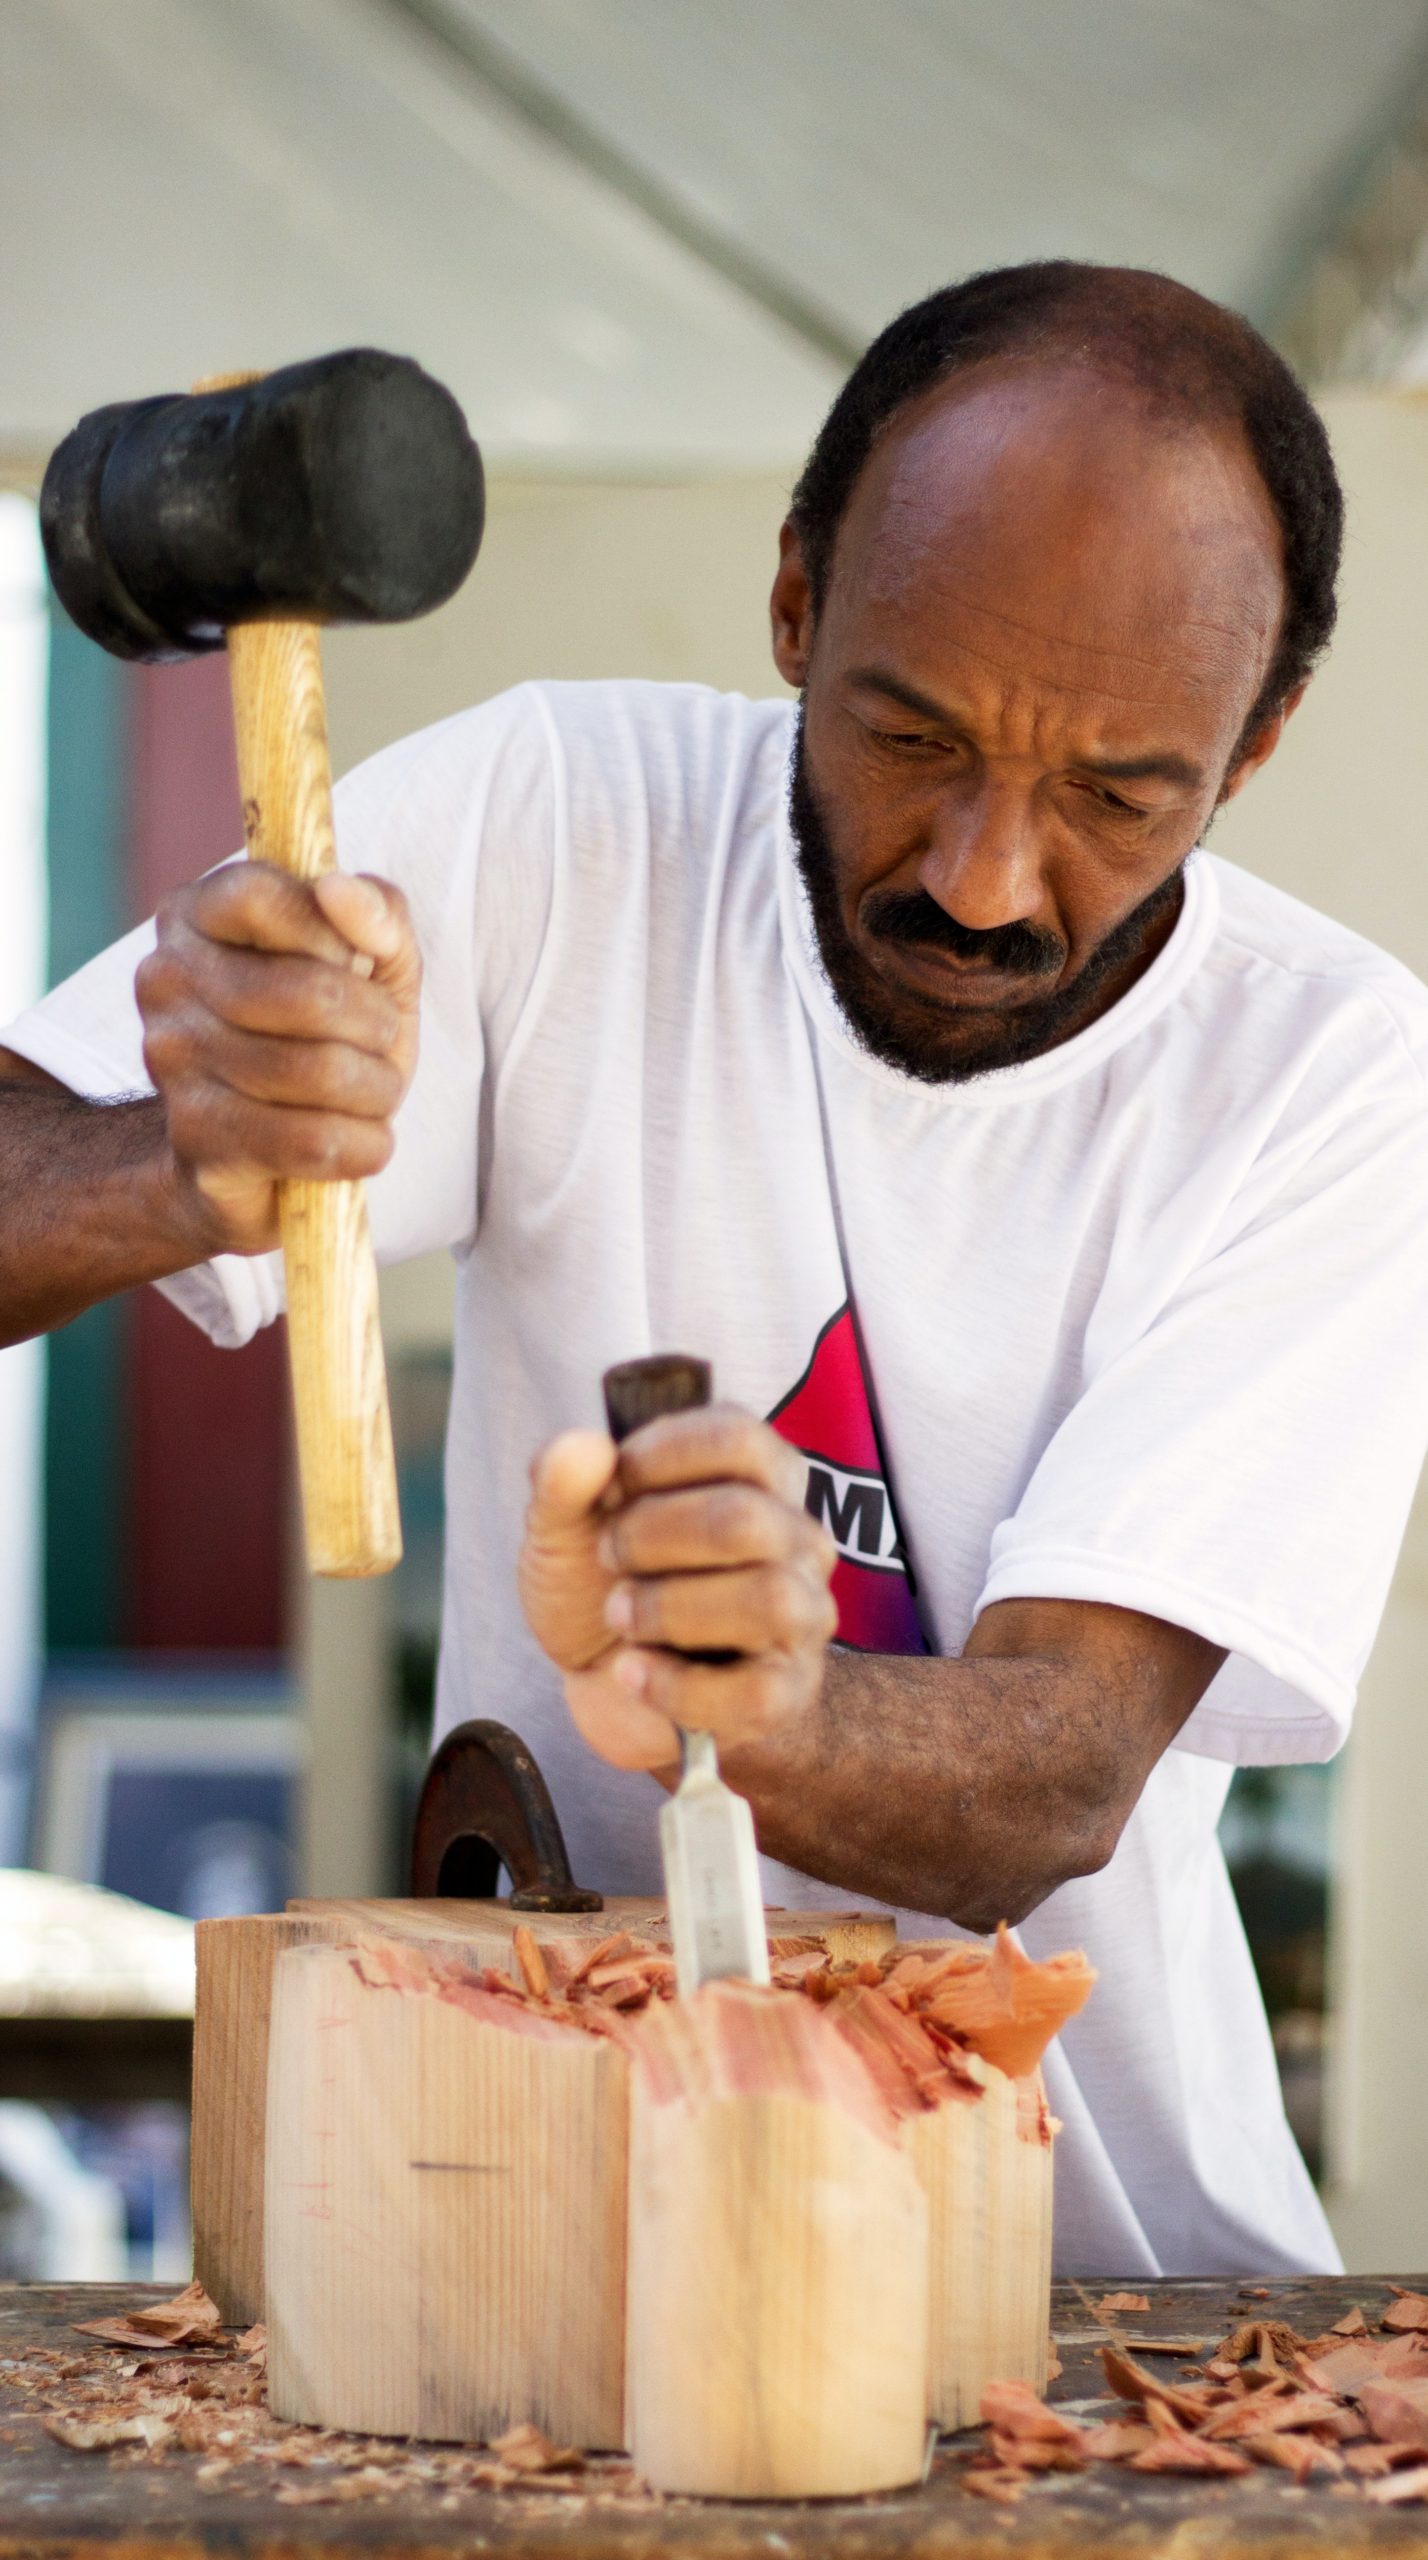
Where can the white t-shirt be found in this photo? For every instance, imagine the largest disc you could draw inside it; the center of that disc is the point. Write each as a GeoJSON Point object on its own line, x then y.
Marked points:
{"type": "Point", "coordinates": [1143, 1321]}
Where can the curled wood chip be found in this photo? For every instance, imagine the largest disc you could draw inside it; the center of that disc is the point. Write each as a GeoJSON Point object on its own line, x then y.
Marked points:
{"type": "Point", "coordinates": [1269, 2412]}
{"type": "Point", "coordinates": [346, 2489]}
{"type": "Point", "coordinates": [1007, 2007]}
{"type": "Point", "coordinates": [1370, 2461]}
{"type": "Point", "coordinates": [1015, 2411]}
{"type": "Point", "coordinates": [1173, 2450]}
{"type": "Point", "coordinates": [525, 2448]}
{"type": "Point", "coordinates": [1400, 2488]}
{"type": "Point", "coordinates": [1117, 2440]}
{"type": "Point", "coordinates": [100, 2435]}
{"type": "Point", "coordinates": [188, 2315]}
{"type": "Point", "coordinates": [1408, 2311]}
{"type": "Point", "coordinates": [1352, 2325]}
{"type": "Point", "coordinates": [532, 1963]}
{"type": "Point", "coordinates": [1298, 2455]}
{"type": "Point", "coordinates": [1002, 2487]}
{"type": "Point", "coordinates": [622, 1944]}
{"type": "Point", "coordinates": [1397, 2412]}
{"type": "Point", "coordinates": [1129, 2381]}
{"type": "Point", "coordinates": [1111, 2303]}
{"type": "Point", "coordinates": [1027, 2453]}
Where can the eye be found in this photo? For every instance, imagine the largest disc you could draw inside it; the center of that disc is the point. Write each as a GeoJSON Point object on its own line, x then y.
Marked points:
{"type": "Point", "coordinates": [909, 739]}
{"type": "Point", "coordinates": [1112, 801]}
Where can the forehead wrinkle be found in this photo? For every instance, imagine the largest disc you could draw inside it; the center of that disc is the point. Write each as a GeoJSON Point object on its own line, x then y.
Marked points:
{"type": "Point", "coordinates": [1062, 685]}
{"type": "Point", "coordinates": [1092, 648]}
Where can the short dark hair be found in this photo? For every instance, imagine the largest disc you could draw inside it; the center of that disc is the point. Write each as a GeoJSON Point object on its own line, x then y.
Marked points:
{"type": "Point", "coordinates": [1188, 357]}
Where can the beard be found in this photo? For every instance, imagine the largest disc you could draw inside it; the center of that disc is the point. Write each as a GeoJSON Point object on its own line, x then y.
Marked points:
{"type": "Point", "coordinates": [946, 1043]}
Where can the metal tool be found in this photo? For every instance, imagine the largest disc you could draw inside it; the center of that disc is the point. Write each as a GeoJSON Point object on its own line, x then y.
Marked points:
{"type": "Point", "coordinates": [247, 514]}
{"type": "Point", "coordinates": [484, 1806]}
{"type": "Point", "coordinates": [706, 1831]}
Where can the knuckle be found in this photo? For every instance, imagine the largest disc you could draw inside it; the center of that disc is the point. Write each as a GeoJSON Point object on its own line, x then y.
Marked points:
{"type": "Point", "coordinates": [735, 1515]}
{"type": "Point", "coordinates": [783, 1606]}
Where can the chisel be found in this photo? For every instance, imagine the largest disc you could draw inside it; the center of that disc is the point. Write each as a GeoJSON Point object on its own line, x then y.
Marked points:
{"type": "Point", "coordinates": [706, 1832]}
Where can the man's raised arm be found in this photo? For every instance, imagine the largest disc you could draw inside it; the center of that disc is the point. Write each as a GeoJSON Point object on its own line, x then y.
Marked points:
{"type": "Point", "coordinates": [280, 1033]}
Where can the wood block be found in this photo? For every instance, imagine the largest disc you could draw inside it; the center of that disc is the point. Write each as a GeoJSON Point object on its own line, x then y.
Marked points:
{"type": "Point", "coordinates": [445, 2211]}
{"type": "Point", "coordinates": [779, 2257]}
{"type": "Point", "coordinates": [985, 2166]}
{"type": "Point", "coordinates": [235, 1960]}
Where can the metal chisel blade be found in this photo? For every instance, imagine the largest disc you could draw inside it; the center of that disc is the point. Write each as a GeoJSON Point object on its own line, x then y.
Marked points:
{"type": "Point", "coordinates": [711, 1877]}
{"type": "Point", "coordinates": [706, 1832]}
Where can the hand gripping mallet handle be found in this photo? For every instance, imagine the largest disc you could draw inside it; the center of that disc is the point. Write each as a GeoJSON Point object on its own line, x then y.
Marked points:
{"type": "Point", "coordinates": [346, 1466]}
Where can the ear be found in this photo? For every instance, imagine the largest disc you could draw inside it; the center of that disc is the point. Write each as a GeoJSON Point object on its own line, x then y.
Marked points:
{"type": "Point", "coordinates": [1262, 745]}
{"type": "Point", "coordinates": [791, 610]}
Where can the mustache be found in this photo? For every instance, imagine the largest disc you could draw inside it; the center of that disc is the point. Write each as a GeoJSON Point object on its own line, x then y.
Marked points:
{"type": "Point", "coordinates": [911, 916]}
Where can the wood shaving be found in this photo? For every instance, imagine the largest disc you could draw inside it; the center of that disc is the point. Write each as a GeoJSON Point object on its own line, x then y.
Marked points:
{"type": "Point", "coordinates": [1111, 2303]}
{"type": "Point", "coordinates": [1268, 2398]}
{"type": "Point", "coordinates": [1401, 2488]}
{"type": "Point", "coordinates": [189, 2315]}
{"type": "Point", "coordinates": [524, 2448]}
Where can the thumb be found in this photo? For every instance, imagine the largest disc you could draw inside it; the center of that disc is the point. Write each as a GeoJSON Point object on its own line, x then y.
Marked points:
{"type": "Point", "coordinates": [568, 1477]}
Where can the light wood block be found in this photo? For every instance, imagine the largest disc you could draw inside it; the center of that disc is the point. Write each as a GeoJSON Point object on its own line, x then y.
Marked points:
{"type": "Point", "coordinates": [779, 2258]}
{"type": "Point", "coordinates": [445, 2212]}
{"type": "Point", "coordinates": [985, 2166]}
{"type": "Point", "coordinates": [235, 1961]}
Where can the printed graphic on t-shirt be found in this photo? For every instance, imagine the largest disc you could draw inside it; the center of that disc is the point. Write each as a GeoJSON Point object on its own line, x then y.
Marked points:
{"type": "Point", "coordinates": [829, 1416]}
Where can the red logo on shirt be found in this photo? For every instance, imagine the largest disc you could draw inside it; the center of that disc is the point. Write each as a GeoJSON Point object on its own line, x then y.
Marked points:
{"type": "Point", "coordinates": [829, 1416]}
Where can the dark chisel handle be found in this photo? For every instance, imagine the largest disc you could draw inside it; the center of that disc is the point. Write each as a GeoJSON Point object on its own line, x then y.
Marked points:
{"type": "Point", "coordinates": [639, 1391]}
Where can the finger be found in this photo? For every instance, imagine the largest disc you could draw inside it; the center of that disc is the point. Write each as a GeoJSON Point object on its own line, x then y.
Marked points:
{"type": "Point", "coordinates": [281, 993]}
{"type": "Point", "coordinates": [739, 1702]}
{"type": "Point", "coordinates": [212, 1127]}
{"type": "Point", "coordinates": [753, 1610]}
{"type": "Point", "coordinates": [714, 1442]}
{"type": "Point", "coordinates": [373, 917]}
{"type": "Point", "coordinates": [568, 1477]}
{"type": "Point", "coordinates": [706, 1525]}
{"type": "Point", "coordinates": [621, 1728]}
{"type": "Point", "coordinates": [256, 905]}
{"type": "Point", "coordinates": [317, 1075]}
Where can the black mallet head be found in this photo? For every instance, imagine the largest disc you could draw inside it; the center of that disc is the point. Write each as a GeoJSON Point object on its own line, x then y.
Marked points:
{"type": "Point", "coordinates": [344, 490]}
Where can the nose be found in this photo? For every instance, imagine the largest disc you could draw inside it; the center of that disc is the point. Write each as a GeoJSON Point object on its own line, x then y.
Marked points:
{"type": "Point", "coordinates": [982, 864]}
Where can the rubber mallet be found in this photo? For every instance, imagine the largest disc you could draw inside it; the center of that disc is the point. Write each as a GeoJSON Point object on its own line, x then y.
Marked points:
{"type": "Point", "coordinates": [247, 513]}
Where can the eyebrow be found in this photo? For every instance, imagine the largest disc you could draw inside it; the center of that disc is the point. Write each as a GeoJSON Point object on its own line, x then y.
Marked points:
{"type": "Point", "coordinates": [1160, 767]}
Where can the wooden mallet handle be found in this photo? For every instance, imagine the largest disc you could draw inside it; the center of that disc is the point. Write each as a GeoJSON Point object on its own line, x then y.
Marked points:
{"type": "Point", "coordinates": [344, 1433]}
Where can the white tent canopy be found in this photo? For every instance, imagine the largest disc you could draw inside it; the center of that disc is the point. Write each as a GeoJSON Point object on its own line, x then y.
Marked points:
{"type": "Point", "coordinates": [640, 235]}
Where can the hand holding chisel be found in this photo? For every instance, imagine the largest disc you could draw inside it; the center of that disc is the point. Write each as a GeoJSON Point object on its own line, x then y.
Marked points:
{"type": "Point", "coordinates": [711, 1868]}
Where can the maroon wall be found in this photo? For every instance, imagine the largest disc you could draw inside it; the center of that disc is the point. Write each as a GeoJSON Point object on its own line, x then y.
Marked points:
{"type": "Point", "coordinates": [209, 1428]}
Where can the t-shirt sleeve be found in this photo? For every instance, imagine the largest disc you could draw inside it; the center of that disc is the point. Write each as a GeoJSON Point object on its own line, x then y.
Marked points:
{"type": "Point", "coordinates": [461, 819]}
{"type": "Point", "coordinates": [1245, 1467]}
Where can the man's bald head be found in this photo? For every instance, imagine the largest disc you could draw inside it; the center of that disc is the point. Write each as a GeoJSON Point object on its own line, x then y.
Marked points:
{"type": "Point", "coordinates": [1188, 363]}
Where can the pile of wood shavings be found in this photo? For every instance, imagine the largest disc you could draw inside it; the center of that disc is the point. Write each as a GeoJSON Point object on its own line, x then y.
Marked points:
{"type": "Point", "coordinates": [1348, 2409]}
{"type": "Point", "coordinates": [914, 2016]}
{"type": "Point", "coordinates": [167, 2378]}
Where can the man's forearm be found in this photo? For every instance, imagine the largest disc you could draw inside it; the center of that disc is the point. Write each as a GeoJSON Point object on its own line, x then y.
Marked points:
{"type": "Point", "coordinates": [90, 1204]}
{"type": "Point", "coordinates": [916, 1780]}
{"type": "Point", "coordinates": [971, 1788]}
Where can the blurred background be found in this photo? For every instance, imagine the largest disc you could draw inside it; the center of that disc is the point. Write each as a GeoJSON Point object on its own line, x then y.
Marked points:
{"type": "Point", "coordinates": [642, 240]}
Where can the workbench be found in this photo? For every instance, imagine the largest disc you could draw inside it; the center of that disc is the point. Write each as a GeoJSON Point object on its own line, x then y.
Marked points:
{"type": "Point", "coordinates": [56, 2504]}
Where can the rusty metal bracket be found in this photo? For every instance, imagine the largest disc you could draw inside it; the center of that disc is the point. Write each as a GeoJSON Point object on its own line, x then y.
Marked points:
{"type": "Point", "coordinates": [485, 1806]}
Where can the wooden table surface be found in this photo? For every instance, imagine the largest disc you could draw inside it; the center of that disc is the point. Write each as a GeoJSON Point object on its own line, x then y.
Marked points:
{"type": "Point", "coordinates": [60, 2505]}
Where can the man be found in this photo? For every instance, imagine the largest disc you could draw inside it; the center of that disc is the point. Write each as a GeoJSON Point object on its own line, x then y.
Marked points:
{"type": "Point", "coordinates": [1055, 1190]}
